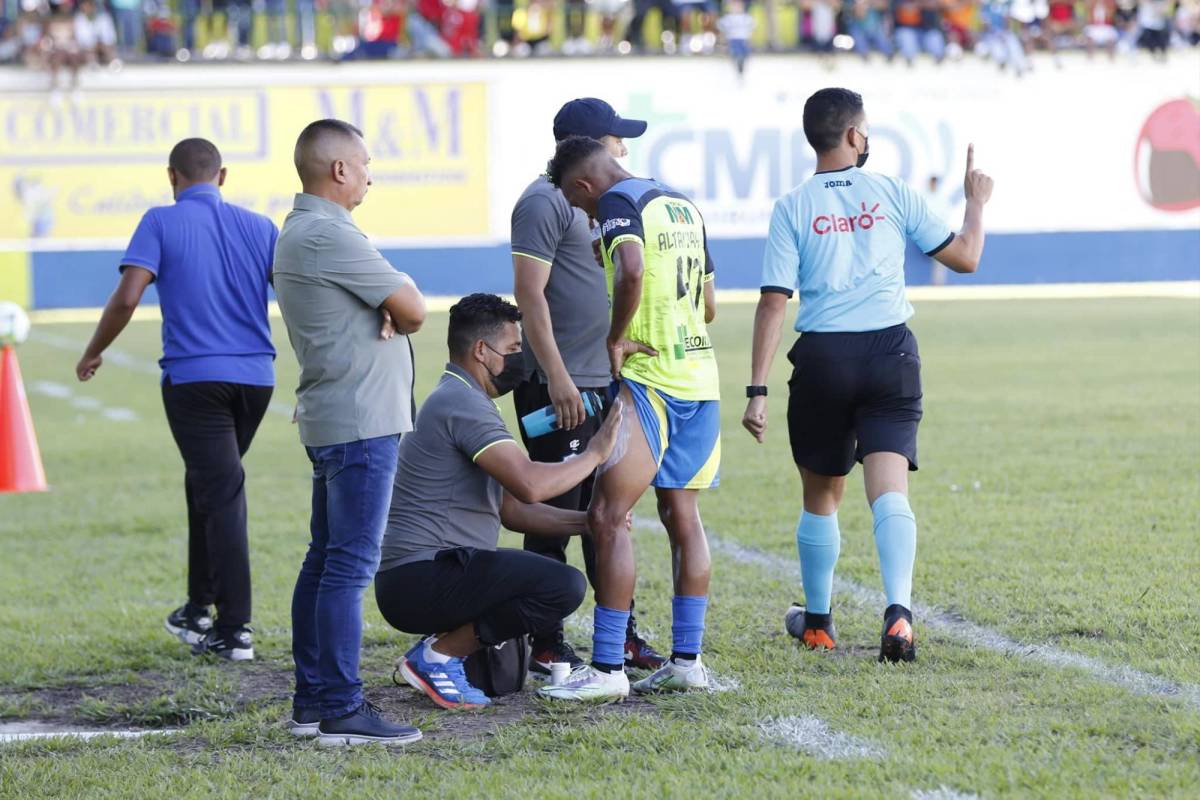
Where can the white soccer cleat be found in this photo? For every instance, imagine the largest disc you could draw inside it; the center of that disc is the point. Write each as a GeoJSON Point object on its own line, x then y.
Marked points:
{"type": "Point", "coordinates": [589, 685]}
{"type": "Point", "coordinates": [672, 677]}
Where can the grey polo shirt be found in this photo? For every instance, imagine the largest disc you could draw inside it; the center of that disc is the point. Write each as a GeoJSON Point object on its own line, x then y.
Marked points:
{"type": "Point", "coordinates": [330, 282]}
{"type": "Point", "coordinates": [441, 498]}
{"type": "Point", "coordinates": [546, 228]}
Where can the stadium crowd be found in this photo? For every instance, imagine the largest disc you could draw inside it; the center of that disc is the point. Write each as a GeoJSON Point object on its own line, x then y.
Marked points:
{"type": "Point", "coordinates": [74, 33]}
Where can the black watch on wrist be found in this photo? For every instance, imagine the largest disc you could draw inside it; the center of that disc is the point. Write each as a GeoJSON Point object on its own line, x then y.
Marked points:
{"type": "Point", "coordinates": [756, 391]}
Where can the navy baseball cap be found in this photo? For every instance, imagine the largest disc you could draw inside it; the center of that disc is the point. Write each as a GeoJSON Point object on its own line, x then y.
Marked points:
{"type": "Point", "coordinates": [589, 116]}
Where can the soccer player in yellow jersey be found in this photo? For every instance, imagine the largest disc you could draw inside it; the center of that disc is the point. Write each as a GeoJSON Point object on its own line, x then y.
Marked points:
{"type": "Point", "coordinates": [660, 281]}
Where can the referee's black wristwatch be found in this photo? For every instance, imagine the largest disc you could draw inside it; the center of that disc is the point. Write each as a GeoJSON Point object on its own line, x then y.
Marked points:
{"type": "Point", "coordinates": [756, 391]}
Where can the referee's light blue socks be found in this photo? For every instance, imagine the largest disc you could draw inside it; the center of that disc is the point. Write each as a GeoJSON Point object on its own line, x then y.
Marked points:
{"type": "Point", "coordinates": [608, 638]}
{"type": "Point", "coordinates": [819, 542]}
{"type": "Point", "coordinates": [896, 540]}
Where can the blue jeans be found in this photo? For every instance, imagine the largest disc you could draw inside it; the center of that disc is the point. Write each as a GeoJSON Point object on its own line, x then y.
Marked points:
{"type": "Point", "coordinates": [306, 22]}
{"type": "Point", "coordinates": [910, 41]}
{"type": "Point", "coordinates": [424, 37]}
{"type": "Point", "coordinates": [238, 20]}
{"type": "Point", "coordinates": [351, 494]}
{"type": "Point", "coordinates": [190, 10]}
{"type": "Point", "coordinates": [869, 36]}
{"type": "Point", "coordinates": [129, 29]}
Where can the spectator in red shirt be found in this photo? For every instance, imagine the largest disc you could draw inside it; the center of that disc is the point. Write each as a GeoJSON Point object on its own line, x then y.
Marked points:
{"type": "Point", "coordinates": [379, 29]}
{"type": "Point", "coordinates": [424, 28]}
{"type": "Point", "coordinates": [460, 27]}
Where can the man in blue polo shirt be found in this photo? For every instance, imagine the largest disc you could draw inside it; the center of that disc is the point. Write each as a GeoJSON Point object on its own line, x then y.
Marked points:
{"type": "Point", "coordinates": [212, 263]}
{"type": "Point", "coordinates": [855, 391]}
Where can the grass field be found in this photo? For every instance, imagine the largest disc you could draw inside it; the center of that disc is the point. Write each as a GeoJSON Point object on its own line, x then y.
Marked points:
{"type": "Point", "coordinates": [1058, 504]}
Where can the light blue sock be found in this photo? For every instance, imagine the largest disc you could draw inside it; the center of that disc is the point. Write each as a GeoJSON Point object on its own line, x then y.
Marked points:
{"type": "Point", "coordinates": [896, 540]}
{"type": "Point", "coordinates": [608, 637]}
{"type": "Point", "coordinates": [687, 624]}
{"type": "Point", "coordinates": [819, 542]}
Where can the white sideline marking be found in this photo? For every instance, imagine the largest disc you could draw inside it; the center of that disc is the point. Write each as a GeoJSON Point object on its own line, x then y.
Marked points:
{"type": "Point", "coordinates": [942, 793]}
{"type": "Point", "coordinates": [973, 634]}
{"type": "Point", "coordinates": [812, 736]}
{"type": "Point", "coordinates": [111, 356]}
{"type": "Point", "coordinates": [1186, 290]}
{"type": "Point", "coordinates": [121, 359]}
{"type": "Point", "coordinates": [55, 390]}
{"type": "Point", "coordinates": [61, 392]}
{"type": "Point", "coordinates": [28, 731]}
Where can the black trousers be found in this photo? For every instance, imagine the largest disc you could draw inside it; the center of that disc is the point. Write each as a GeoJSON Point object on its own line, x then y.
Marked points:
{"type": "Point", "coordinates": [504, 593]}
{"type": "Point", "coordinates": [213, 424]}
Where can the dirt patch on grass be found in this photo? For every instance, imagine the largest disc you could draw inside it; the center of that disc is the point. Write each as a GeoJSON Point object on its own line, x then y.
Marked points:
{"type": "Point", "coordinates": [154, 699]}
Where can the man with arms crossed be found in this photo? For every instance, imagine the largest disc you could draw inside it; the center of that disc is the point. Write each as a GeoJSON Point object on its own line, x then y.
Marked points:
{"type": "Point", "coordinates": [353, 402]}
{"type": "Point", "coordinates": [855, 391]}
{"type": "Point", "coordinates": [563, 298]}
{"type": "Point", "coordinates": [656, 258]}
{"type": "Point", "coordinates": [211, 262]}
{"type": "Point", "coordinates": [461, 475]}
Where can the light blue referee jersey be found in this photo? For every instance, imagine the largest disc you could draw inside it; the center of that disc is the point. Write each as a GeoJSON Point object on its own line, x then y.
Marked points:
{"type": "Point", "coordinates": [839, 238]}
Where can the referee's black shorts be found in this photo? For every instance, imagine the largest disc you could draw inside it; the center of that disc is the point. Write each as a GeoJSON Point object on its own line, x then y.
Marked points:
{"type": "Point", "coordinates": [853, 394]}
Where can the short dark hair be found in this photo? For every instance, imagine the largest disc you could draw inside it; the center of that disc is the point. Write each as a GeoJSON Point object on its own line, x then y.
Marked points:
{"type": "Point", "coordinates": [315, 131]}
{"type": "Point", "coordinates": [827, 114]}
{"type": "Point", "coordinates": [569, 153]}
{"type": "Point", "coordinates": [477, 316]}
{"type": "Point", "coordinates": [195, 159]}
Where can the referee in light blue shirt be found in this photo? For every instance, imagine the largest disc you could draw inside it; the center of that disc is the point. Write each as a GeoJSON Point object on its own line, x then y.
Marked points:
{"type": "Point", "coordinates": [211, 262]}
{"type": "Point", "coordinates": [855, 391]}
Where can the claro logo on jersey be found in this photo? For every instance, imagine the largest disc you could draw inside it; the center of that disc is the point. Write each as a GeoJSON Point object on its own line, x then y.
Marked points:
{"type": "Point", "coordinates": [835, 223]}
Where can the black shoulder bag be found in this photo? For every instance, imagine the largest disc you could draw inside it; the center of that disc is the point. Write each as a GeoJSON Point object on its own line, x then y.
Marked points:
{"type": "Point", "coordinates": [501, 669]}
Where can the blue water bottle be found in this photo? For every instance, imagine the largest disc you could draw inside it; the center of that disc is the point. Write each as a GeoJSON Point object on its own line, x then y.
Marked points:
{"type": "Point", "coordinates": [544, 420]}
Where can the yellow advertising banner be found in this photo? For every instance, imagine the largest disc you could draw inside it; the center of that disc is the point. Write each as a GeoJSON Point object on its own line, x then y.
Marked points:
{"type": "Point", "coordinates": [90, 169]}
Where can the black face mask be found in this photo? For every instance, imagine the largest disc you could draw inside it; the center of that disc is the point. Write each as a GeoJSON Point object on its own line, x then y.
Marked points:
{"type": "Point", "coordinates": [862, 157]}
{"type": "Point", "coordinates": [511, 376]}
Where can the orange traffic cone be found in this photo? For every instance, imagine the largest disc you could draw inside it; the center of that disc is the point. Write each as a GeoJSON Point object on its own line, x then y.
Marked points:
{"type": "Point", "coordinates": [20, 462]}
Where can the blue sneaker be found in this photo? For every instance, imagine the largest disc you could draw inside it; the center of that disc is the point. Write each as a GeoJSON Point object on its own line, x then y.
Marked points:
{"type": "Point", "coordinates": [445, 684]}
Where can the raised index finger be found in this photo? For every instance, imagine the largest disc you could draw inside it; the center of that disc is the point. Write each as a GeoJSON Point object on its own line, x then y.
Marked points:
{"type": "Point", "coordinates": [970, 158]}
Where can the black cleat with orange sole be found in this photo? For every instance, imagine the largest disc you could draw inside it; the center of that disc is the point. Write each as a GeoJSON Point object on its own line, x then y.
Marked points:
{"type": "Point", "coordinates": [897, 641]}
{"type": "Point", "coordinates": [815, 631]}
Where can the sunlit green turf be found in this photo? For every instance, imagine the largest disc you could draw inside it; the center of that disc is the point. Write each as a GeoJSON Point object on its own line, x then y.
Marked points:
{"type": "Point", "coordinates": [1058, 502]}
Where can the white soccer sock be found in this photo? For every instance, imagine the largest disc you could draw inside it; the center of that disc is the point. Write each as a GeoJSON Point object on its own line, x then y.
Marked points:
{"type": "Point", "coordinates": [432, 656]}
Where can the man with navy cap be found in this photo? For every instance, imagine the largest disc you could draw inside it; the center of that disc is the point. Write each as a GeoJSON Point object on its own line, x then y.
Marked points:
{"type": "Point", "coordinates": [563, 297]}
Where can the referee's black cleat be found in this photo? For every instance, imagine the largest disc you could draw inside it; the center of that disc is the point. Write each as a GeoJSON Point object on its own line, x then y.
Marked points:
{"type": "Point", "coordinates": [897, 641]}
{"type": "Point", "coordinates": [815, 631]}
{"type": "Point", "coordinates": [232, 644]}
{"type": "Point", "coordinates": [189, 623]}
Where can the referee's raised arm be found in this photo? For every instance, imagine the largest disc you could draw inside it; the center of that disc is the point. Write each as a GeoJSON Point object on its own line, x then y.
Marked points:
{"type": "Point", "coordinates": [962, 255]}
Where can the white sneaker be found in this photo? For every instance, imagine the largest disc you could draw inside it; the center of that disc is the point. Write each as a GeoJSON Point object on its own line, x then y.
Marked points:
{"type": "Point", "coordinates": [589, 685]}
{"type": "Point", "coordinates": [672, 677]}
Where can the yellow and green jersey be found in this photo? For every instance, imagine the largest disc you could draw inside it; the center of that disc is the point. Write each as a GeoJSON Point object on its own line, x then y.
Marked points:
{"type": "Point", "coordinates": [670, 317]}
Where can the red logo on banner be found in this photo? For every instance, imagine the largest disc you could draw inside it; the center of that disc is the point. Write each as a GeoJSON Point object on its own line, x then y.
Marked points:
{"type": "Point", "coordinates": [1166, 161]}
